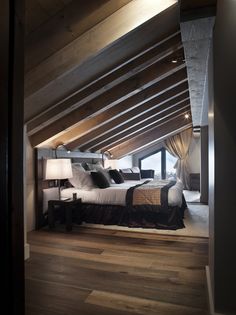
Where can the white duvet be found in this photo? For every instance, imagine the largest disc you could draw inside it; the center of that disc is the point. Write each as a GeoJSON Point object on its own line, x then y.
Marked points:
{"type": "Point", "coordinates": [116, 194]}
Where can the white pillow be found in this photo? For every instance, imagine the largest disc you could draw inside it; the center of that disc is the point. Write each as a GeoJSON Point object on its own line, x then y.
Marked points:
{"type": "Point", "coordinates": [77, 165]}
{"type": "Point", "coordinates": [135, 169]}
{"type": "Point", "coordinates": [81, 179]}
{"type": "Point", "coordinates": [126, 170]}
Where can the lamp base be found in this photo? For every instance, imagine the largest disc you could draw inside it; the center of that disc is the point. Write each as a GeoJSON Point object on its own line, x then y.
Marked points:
{"type": "Point", "coordinates": [59, 189]}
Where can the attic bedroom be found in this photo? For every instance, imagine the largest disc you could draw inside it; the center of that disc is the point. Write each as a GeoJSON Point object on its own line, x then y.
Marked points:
{"type": "Point", "coordinates": [110, 91]}
{"type": "Point", "coordinates": [117, 156]}
{"type": "Point", "coordinates": [116, 95]}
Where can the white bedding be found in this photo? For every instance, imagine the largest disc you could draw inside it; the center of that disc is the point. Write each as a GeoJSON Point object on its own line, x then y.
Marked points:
{"type": "Point", "coordinates": [116, 194]}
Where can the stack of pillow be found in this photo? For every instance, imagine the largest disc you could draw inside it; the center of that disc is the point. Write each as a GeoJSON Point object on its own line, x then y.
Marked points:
{"type": "Point", "coordinates": [87, 176]}
{"type": "Point", "coordinates": [132, 173]}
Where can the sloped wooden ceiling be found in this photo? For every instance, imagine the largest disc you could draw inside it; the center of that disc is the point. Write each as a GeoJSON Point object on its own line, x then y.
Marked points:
{"type": "Point", "coordinates": [94, 85]}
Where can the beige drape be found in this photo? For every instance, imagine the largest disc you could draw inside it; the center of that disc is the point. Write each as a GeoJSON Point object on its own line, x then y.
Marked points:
{"type": "Point", "coordinates": [178, 146]}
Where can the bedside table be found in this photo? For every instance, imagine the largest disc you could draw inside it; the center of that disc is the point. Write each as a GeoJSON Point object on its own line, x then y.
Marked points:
{"type": "Point", "coordinates": [66, 206]}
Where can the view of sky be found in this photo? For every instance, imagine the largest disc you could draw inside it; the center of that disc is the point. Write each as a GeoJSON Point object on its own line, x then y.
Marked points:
{"type": "Point", "coordinates": [154, 162]}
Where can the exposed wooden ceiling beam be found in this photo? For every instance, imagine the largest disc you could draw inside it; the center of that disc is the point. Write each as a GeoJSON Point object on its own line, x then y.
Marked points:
{"type": "Point", "coordinates": [154, 135]}
{"type": "Point", "coordinates": [142, 127]}
{"type": "Point", "coordinates": [131, 44]}
{"type": "Point", "coordinates": [117, 75]}
{"type": "Point", "coordinates": [105, 101]}
{"type": "Point", "coordinates": [63, 27]}
{"type": "Point", "coordinates": [159, 140]}
{"type": "Point", "coordinates": [91, 42]}
{"type": "Point", "coordinates": [123, 121]}
{"type": "Point", "coordinates": [176, 80]}
{"type": "Point", "coordinates": [138, 125]}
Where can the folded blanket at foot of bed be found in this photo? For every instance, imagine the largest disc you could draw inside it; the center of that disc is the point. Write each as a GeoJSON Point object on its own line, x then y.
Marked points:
{"type": "Point", "coordinates": [150, 193]}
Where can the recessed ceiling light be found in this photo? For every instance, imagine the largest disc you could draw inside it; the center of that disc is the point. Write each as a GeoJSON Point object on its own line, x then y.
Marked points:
{"type": "Point", "coordinates": [174, 60]}
{"type": "Point", "coordinates": [186, 116]}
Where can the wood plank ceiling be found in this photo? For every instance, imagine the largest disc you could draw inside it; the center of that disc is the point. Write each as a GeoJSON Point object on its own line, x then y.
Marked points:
{"type": "Point", "coordinates": [95, 88]}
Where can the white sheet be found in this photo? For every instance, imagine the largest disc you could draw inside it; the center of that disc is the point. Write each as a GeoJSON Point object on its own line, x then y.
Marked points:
{"type": "Point", "coordinates": [116, 194]}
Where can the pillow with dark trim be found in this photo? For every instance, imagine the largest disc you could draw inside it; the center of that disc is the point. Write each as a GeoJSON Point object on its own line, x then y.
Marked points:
{"type": "Point", "coordinates": [100, 180]}
{"type": "Point", "coordinates": [126, 170]}
{"type": "Point", "coordinates": [99, 168]}
{"type": "Point", "coordinates": [116, 176]}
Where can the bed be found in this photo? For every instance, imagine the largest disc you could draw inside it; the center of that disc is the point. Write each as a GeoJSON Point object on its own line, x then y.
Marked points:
{"type": "Point", "coordinates": [110, 206]}
{"type": "Point", "coordinates": [115, 205]}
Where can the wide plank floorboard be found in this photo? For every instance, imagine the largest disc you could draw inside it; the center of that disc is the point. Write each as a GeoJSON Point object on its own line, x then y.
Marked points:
{"type": "Point", "coordinates": [93, 271]}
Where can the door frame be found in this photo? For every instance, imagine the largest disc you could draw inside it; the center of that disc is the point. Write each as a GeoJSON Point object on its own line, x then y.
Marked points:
{"type": "Point", "coordinates": [11, 155]}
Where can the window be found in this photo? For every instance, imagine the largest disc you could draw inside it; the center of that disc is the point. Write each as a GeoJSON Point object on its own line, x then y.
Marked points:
{"type": "Point", "coordinates": [162, 162]}
{"type": "Point", "coordinates": [153, 162]}
{"type": "Point", "coordinates": [170, 163]}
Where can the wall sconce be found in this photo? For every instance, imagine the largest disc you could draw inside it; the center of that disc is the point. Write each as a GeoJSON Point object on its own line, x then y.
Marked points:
{"type": "Point", "coordinates": [60, 145]}
{"type": "Point", "coordinates": [108, 154]}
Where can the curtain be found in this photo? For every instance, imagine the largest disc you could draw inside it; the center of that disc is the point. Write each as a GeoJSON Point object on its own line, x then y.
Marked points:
{"type": "Point", "coordinates": [178, 146]}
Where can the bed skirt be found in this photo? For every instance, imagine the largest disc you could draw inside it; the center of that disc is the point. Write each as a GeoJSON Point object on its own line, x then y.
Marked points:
{"type": "Point", "coordinates": [143, 217]}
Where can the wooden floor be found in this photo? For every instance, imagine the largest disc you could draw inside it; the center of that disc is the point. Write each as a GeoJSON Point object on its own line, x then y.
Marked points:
{"type": "Point", "coordinates": [106, 272]}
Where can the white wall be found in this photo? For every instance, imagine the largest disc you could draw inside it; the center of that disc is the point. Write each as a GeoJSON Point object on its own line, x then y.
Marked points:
{"type": "Point", "coordinates": [125, 162]}
{"type": "Point", "coordinates": [194, 159]}
{"type": "Point", "coordinates": [29, 188]}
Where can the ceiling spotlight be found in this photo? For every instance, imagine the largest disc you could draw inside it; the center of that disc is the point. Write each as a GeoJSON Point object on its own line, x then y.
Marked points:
{"type": "Point", "coordinates": [174, 60]}
{"type": "Point", "coordinates": [186, 116]}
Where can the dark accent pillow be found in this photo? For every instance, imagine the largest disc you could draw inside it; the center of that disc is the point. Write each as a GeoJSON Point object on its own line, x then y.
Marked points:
{"type": "Point", "coordinates": [147, 173]}
{"type": "Point", "coordinates": [100, 180]}
{"type": "Point", "coordinates": [116, 176]}
{"type": "Point", "coordinates": [131, 176]}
